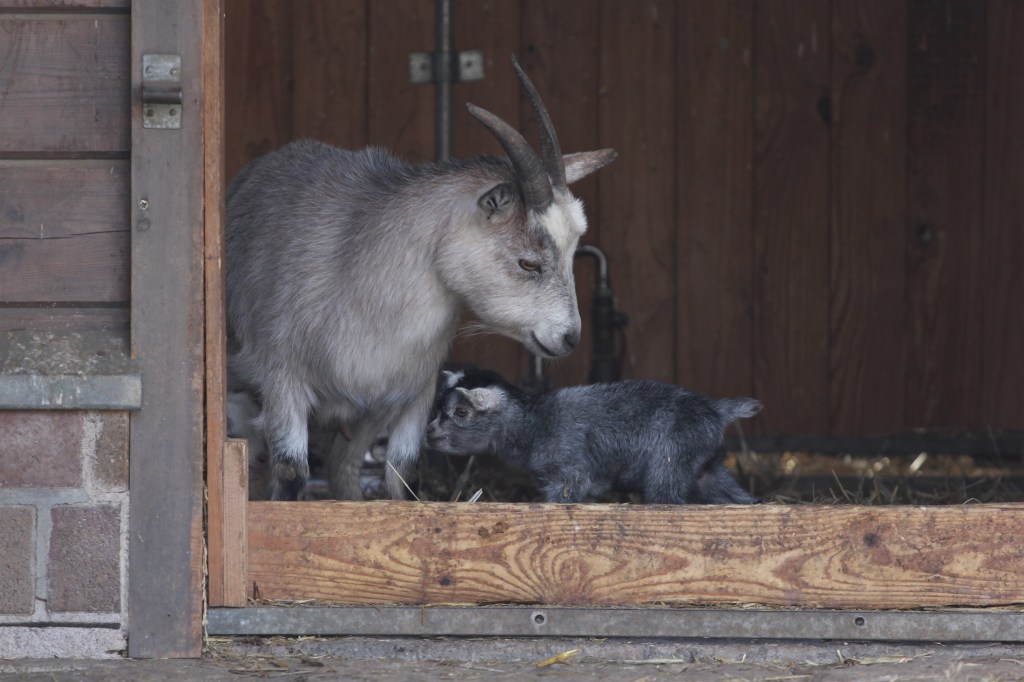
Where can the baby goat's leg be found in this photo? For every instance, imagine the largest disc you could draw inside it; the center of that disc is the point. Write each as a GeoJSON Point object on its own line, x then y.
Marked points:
{"type": "Point", "coordinates": [404, 441]}
{"type": "Point", "coordinates": [345, 463]}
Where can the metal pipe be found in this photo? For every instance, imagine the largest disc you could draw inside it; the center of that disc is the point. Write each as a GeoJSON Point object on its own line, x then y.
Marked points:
{"type": "Point", "coordinates": [443, 78]}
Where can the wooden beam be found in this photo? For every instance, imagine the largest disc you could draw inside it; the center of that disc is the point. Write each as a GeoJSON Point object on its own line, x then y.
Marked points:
{"type": "Point", "coordinates": [165, 574]}
{"type": "Point", "coordinates": [834, 557]}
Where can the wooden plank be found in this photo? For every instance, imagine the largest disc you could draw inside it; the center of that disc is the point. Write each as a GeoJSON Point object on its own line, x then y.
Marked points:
{"type": "Point", "coordinates": [63, 5]}
{"type": "Point", "coordinates": [232, 574]}
{"type": "Point", "coordinates": [558, 47]}
{"type": "Point", "coordinates": [492, 28]}
{"type": "Point", "coordinates": [868, 247]}
{"type": "Point", "coordinates": [66, 85]}
{"type": "Point", "coordinates": [257, 67]}
{"type": "Point", "coordinates": [1002, 398]}
{"type": "Point", "coordinates": [63, 319]}
{"type": "Point", "coordinates": [946, 74]}
{"type": "Point", "coordinates": [220, 487]}
{"type": "Point", "coordinates": [90, 267]}
{"type": "Point", "coordinates": [46, 199]}
{"type": "Point", "coordinates": [329, 71]}
{"type": "Point", "coordinates": [401, 114]}
{"type": "Point", "coordinates": [165, 579]}
{"type": "Point", "coordinates": [637, 117]}
{"type": "Point", "coordinates": [842, 557]}
{"type": "Point", "coordinates": [791, 200]}
{"type": "Point", "coordinates": [714, 161]}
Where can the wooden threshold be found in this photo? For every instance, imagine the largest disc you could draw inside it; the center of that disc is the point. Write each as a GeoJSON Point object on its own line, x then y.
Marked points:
{"type": "Point", "coordinates": [605, 555]}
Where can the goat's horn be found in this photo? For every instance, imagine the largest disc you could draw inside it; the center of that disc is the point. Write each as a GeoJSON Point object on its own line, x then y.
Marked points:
{"type": "Point", "coordinates": [533, 180]}
{"type": "Point", "coordinates": [553, 162]}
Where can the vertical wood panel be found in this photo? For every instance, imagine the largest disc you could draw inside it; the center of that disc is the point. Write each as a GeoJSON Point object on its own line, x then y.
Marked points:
{"type": "Point", "coordinates": [165, 581]}
{"type": "Point", "coordinates": [1002, 382]}
{"type": "Point", "coordinates": [328, 63]}
{"type": "Point", "coordinates": [714, 337]}
{"type": "Point", "coordinates": [868, 246]}
{"type": "Point", "coordinates": [258, 104]}
{"type": "Point", "coordinates": [401, 115]}
{"type": "Point", "coordinates": [791, 195]}
{"type": "Point", "coordinates": [945, 190]}
{"type": "Point", "coordinates": [492, 27]}
{"type": "Point", "coordinates": [637, 116]}
{"type": "Point", "coordinates": [559, 49]}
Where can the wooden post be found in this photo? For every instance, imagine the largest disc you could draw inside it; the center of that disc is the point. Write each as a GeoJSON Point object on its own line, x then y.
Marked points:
{"type": "Point", "coordinates": [165, 574]}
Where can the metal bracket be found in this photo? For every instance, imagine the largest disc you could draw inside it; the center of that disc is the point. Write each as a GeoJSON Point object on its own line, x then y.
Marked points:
{"type": "Point", "coordinates": [427, 67]}
{"type": "Point", "coordinates": [161, 91]}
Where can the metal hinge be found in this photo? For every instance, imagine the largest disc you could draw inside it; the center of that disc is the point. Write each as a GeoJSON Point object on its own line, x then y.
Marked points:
{"type": "Point", "coordinates": [428, 67]}
{"type": "Point", "coordinates": [161, 91]}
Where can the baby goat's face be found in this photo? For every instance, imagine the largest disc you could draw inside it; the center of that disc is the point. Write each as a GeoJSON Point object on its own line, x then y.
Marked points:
{"type": "Point", "coordinates": [469, 422]}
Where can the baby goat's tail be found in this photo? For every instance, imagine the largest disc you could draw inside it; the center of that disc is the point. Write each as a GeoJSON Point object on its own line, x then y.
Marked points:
{"type": "Point", "coordinates": [732, 409]}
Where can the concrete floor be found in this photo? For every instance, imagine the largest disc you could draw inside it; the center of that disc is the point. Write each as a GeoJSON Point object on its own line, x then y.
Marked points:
{"type": "Point", "coordinates": [419, 660]}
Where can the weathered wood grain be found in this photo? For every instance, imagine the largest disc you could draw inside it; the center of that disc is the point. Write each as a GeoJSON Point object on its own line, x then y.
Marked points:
{"type": "Point", "coordinates": [715, 228]}
{"type": "Point", "coordinates": [945, 228]}
{"type": "Point", "coordinates": [91, 268]}
{"type": "Point", "coordinates": [63, 319]}
{"type": "Point", "coordinates": [844, 557]}
{"type": "Point", "coordinates": [228, 573]}
{"type": "Point", "coordinates": [165, 574]}
{"type": "Point", "coordinates": [1002, 399]}
{"type": "Point", "coordinates": [65, 83]}
{"type": "Point", "coordinates": [867, 289]}
{"type": "Point", "coordinates": [63, 4]}
{"type": "Point", "coordinates": [638, 117]}
{"type": "Point", "coordinates": [791, 198]}
{"type": "Point", "coordinates": [47, 199]}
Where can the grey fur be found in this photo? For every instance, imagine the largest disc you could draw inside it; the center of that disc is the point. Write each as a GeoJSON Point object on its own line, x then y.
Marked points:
{"type": "Point", "coordinates": [655, 438]}
{"type": "Point", "coordinates": [346, 272]}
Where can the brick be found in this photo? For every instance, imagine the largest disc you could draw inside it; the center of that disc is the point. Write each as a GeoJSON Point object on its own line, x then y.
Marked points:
{"type": "Point", "coordinates": [40, 449]}
{"type": "Point", "coordinates": [110, 468]}
{"type": "Point", "coordinates": [17, 550]}
{"type": "Point", "coordinates": [84, 562]}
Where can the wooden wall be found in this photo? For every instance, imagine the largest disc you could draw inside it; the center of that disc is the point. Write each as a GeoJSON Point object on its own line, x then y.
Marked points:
{"type": "Point", "coordinates": [817, 202]}
{"type": "Point", "coordinates": [64, 144]}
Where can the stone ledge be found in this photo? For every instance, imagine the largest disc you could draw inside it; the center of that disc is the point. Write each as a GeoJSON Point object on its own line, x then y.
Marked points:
{"type": "Point", "coordinates": [68, 371]}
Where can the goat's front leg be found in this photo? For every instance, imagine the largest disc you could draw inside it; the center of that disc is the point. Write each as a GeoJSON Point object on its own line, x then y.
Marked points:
{"type": "Point", "coordinates": [405, 440]}
{"type": "Point", "coordinates": [287, 432]}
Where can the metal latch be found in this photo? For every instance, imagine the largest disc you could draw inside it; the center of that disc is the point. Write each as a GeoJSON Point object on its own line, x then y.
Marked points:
{"type": "Point", "coordinates": [427, 67]}
{"type": "Point", "coordinates": [161, 91]}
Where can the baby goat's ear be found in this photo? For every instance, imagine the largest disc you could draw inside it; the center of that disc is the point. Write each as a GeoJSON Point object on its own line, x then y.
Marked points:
{"type": "Point", "coordinates": [450, 379]}
{"type": "Point", "coordinates": [482, 399]}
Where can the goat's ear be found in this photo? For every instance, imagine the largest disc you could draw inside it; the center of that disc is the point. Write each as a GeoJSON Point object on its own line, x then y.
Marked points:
{"type": "Point", "coordinates": [582, 164]}
{"type": "Point", "coordinates": [482, 399]}
{"type": "Point", "coordinates": [497, 199]}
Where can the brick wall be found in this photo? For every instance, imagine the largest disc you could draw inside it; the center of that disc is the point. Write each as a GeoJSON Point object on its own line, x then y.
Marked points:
{"type": "Point", "coordinates": [63, 532]}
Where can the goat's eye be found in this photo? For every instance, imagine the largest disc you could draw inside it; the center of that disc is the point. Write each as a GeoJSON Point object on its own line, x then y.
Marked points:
{"type": "Point", "coordinates": [461, 412]}
{"type": "Point", "coordinates": [529, 265]}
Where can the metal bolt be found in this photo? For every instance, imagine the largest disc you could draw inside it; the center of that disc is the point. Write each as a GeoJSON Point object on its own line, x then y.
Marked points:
{"type": "Point", "coordinates": [143, 205]}
{"type": "Point", "coordinates": [859, 621]}
{"type": "Point", "coordinates": [539, 618]}
{"type": "Point", "coordinates": [172, 112]}
{"type": "Point", "coordinates": [174, 71]}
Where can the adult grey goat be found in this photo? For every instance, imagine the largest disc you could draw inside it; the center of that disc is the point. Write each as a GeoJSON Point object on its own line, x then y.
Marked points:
{"type": "Point", "coordinates": [346, 272]}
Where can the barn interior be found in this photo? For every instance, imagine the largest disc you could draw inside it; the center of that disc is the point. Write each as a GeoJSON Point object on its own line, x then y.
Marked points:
{"type": "Point", "coordinates": [815, 204]}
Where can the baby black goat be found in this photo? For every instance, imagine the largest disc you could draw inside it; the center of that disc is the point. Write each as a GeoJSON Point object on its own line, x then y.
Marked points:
{"type": "Point", "coordinates": [654, 438]}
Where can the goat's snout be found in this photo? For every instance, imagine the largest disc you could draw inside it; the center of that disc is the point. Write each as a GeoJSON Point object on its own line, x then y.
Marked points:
{"type": "Point", "coordinates": [570, 339]}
